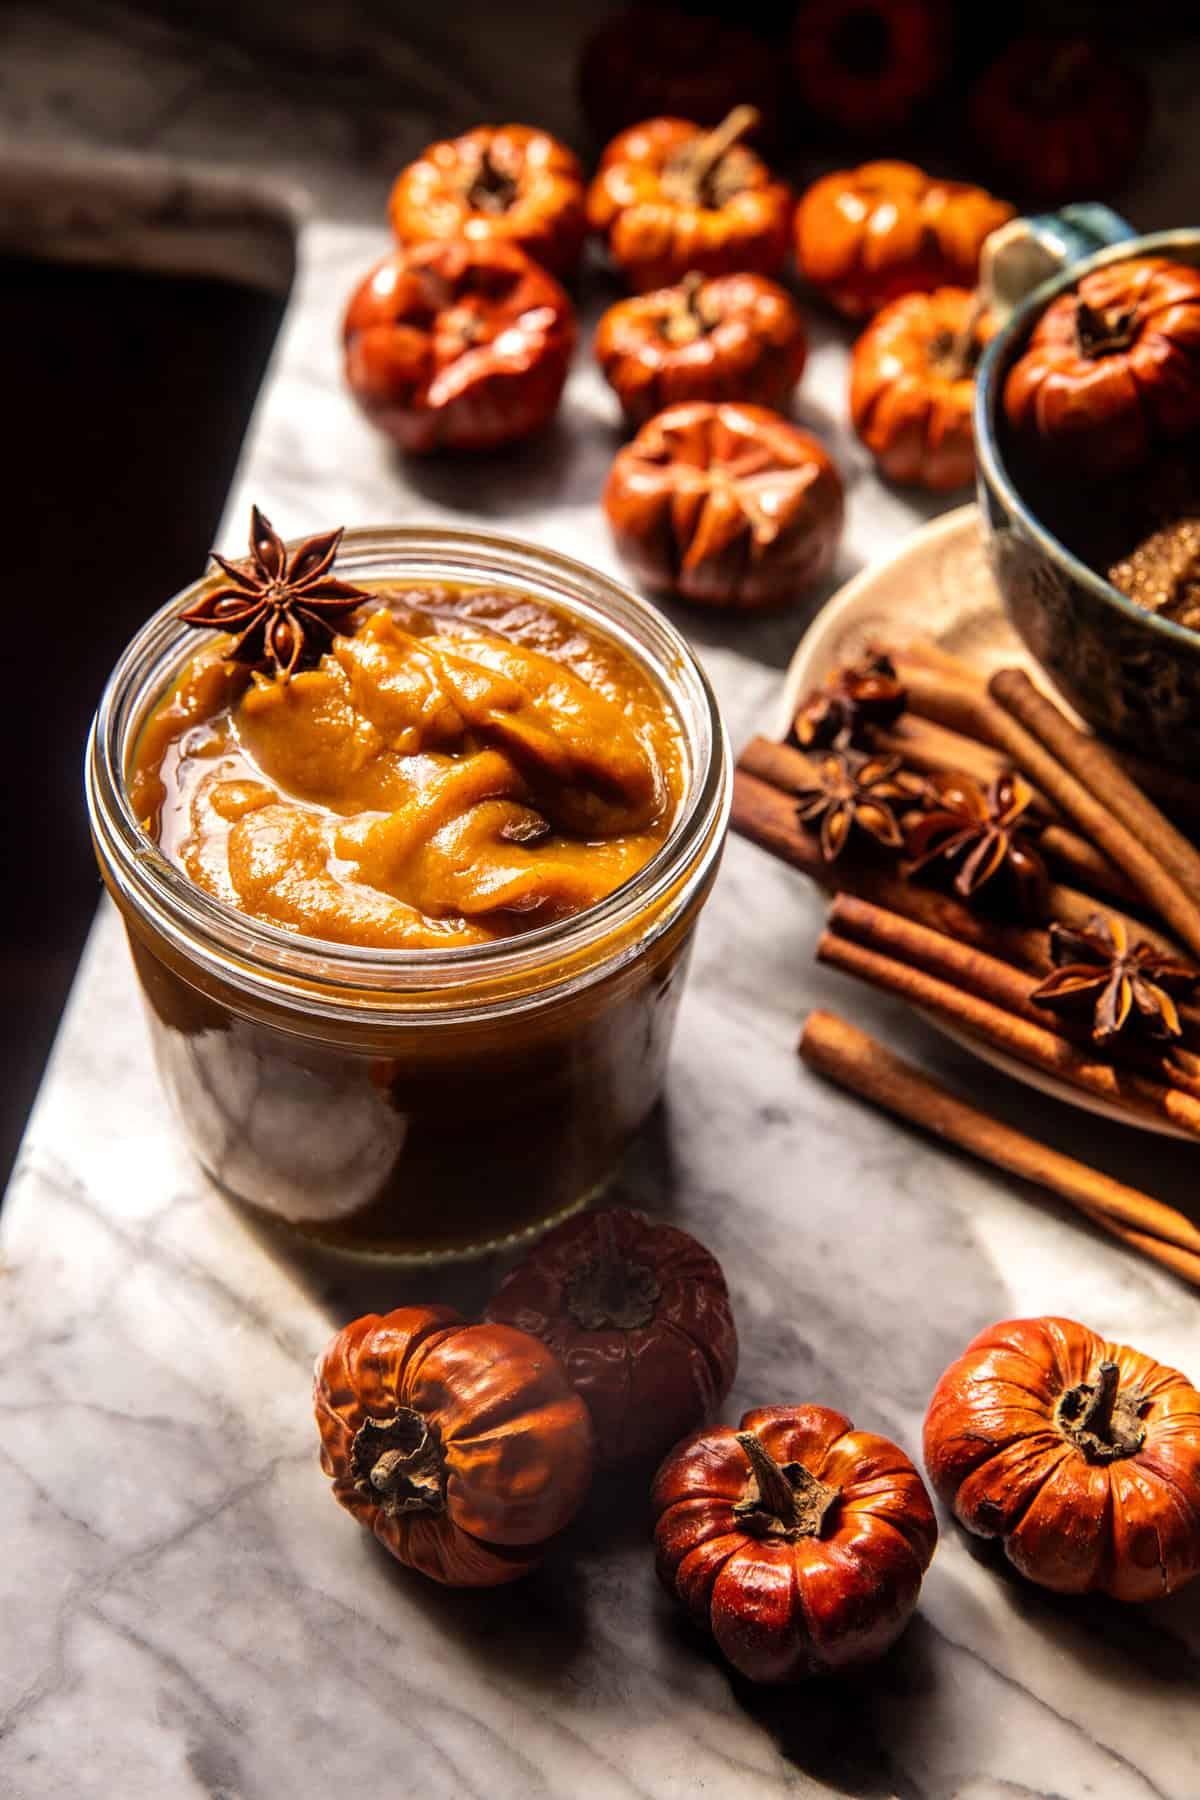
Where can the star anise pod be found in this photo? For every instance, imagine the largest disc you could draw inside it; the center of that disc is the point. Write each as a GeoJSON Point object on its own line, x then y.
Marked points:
{"type": "Point", "coordinates": [854, 793]}
{"type": "Point", "coordinates": [1125, 987]}
{"type": "Point", "coordinates": [853, 697]}
{"type": "Point", "coordinates": [283, 611]}
{"type": "Point", "coordinates": [984, 835]}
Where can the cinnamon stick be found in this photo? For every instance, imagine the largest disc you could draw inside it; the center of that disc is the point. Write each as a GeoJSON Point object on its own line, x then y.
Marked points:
{"type": "Point", "coordinates": [766, 815]}
{"type": "Point", "coordinates": [1015, 1036]}
{"type": "Point", "coordinates": [931, 751]}
{"type": "Point", "coordinates": [948, 691]}
{"type": "Point", "coordinates": [1090, 761]}
{"type": "Point", "coordinates": [856, 1062]}
{"type": "Point", "coordinates": [1179, 910]}
{"type": "Point", "coordinates": [975, 971]}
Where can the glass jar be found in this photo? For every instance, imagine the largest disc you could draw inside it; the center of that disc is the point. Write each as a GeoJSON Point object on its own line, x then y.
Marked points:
{"type": "Point", "coordinates": [428, 1103]}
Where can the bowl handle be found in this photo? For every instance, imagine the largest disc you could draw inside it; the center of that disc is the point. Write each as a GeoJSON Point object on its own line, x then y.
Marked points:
{"type": "Point", "coordinates": [1021, 255]}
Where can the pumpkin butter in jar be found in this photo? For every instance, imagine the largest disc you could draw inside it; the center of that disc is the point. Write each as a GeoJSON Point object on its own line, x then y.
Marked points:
{"type": "Point", "coordinates": [409, 858]}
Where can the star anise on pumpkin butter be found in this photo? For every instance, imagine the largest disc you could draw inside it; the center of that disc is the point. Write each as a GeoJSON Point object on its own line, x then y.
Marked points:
{"type": "Point", "coordinates": [1125, 986]}
{"type": "Point", "coordinates": [852, 698]}
{"type": "Point", "coordinates": [283, 611]}
{"type": "Point", "coordinates": [984, 835]}
{"type": "Point", "coordinates": [854, 793]}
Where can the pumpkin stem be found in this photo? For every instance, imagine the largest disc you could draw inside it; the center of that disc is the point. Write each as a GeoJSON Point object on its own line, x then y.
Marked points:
{"type": "Point", "coordinates": [684, 320]}
{"type": "Point", "coordinates": [781, 1500]}
{"type": "Point", "coordinates": [955, 357]}
{"type": "Point", "coordinates": [1100, 332]}
{"type": "Point", "coordinates": [489, 188]}
{"type": "Point", "coordinates": [397, 1463]}
{"type": "Point", "coordinates": [1101, 1421]}
{"type": "Point", "coordinates": [608, 1292]}
{"type": "Point", "coordinates": [694, 174]}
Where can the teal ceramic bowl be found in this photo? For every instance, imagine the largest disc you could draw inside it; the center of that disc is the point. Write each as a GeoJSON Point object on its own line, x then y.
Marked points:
{"type": "Point", "coordinates": [1132, 675]}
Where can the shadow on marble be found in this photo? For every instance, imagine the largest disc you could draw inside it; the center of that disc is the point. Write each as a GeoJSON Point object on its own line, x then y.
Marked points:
{"type": "Point", "coordinates": [1130, 1646]}
{"type": "Point", "coordinates": [848, 1732]}
{"type": "Point", "coordinates": [536, 1628]}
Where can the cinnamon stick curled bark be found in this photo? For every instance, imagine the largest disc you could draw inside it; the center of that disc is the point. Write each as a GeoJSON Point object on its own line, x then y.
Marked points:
{"type": "Point", "coordinates": [990, 978]}
{"type": "Point", "coordinates": [951, 693]}
{"type": "Point", "coordinates": [861, 1065]}
{"type": "Point", "coordinates": [1013, 1035]}
{"type": "Point", "coordinates": [1093, 764]}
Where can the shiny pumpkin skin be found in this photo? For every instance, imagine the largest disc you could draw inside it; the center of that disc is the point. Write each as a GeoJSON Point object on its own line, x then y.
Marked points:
{"type": "Point", "coordinates": [750, 344]}
{"type": "Point", "coordinates": [865, 236]}
{"type": "Point", "coordinates": [458, 346]}
{"type": "Point", "coordinates": [825, 1602]}
{"type": "Point", "coordinates": [1129, 1527]}
{"type": "Point", "coordinates": [545, 216]}
{"type": "Point", "coordinates": [913, 46]}
{"type": "Point", "coordinates": [1104, 413]}
{"type": "Point", "coordinates": [513, 1440]}
{"type": "Point", "coordinates": [909, 407]}
{"type": "Point", "coordinates": [655, 238]}
{"type": "Point", "coordinates": [638, 1314]}
{"type": "Point", "coordinates": [1059, 118]}
{"type": "Point", "coordinates": [725, 505]}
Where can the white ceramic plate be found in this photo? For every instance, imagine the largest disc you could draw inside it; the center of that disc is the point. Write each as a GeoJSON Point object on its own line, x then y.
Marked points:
{"type": "Point", "coordinates": [937, 585]}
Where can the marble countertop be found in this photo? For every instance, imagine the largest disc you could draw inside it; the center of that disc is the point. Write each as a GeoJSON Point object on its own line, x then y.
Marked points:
{"type": "Point", "coordinates": [186, 1613]}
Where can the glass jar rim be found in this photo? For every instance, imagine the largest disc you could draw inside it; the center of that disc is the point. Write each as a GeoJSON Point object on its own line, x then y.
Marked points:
{"type": "Point", "coordinates": [273, 962]}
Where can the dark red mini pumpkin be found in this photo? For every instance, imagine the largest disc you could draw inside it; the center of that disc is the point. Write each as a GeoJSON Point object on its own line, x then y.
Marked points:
{"type": "Point", "coordinates": [866, 67]}
{"type": "Point", "coordinates": [653, 61]}
{"type": "Point", "coordinates": [1059, 118]}
{"type": "Point", "coordinates": [638, 1314]}
{"type": "Point", "coordinates": [799, 1542]}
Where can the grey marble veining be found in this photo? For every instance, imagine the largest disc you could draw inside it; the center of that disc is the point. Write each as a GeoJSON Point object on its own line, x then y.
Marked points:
{"type": "Point", "coordinates": [184, 1612]}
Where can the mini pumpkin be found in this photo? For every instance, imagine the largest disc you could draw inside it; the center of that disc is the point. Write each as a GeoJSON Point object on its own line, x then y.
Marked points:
{"type": "Point", "coordinates": [1112, 368]}
{"type": "Point", "coordinates": [638, 1313]}
{"type": "Point", "coordinates": [510, 184]}
{"type": "Point", "coordinates": [725, 505]}
{"type": "Point", "coordinates": [865, 236]}
{"type": "Point", "coordinates": [653, 61]}
{"type": "Point", "coordinates": [462, 1447]}
{"type": "Point", "coordinates": [669, 197]}
{"type": "Point", "coordinates": [912, 387]}
{"type": "Point", "coordinates": [736, 337]}
{"type": "Point", "coordinates": [1080, 1455]}
{"type": "Point", "coordinates": [1059, 118]}
{"type": "Point", "coordinates": [867, 67]}
{"type": "Point", "coordinates": [458, 345]}
{"type": "Point", "coordinates": [799, 1542]}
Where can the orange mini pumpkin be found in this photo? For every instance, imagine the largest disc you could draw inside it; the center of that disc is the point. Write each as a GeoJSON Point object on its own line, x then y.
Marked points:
{"type": "Point", "coordinates": [799, 1542]}
{"type": "Point", "coordinates": [458, 345]}
{"type": "Point", "coordinates": [866, 67]}
{"type": "Point", "coordinates": [726, 505]}
{"type": "Point", "coordinates": [462, 1447]}
{"type": "Point", "coordinates": [509, 184]}
{"type": "Point", "coordinates": [736, 337]}
{"type": "Point", "coordinates": [1080, 1455]}
{"type": "Point", "coordinates": [1112, 369]}
{"type": "Point", "coordinates": [912, 387]}
{"type": "Point", "coordinates": [865, 236]}
{"type": "Point", "coordinates": [669, 197]}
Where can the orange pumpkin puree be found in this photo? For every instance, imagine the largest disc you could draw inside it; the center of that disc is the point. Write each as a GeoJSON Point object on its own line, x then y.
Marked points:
{"type": "Point", "coordinates": [466, 764]}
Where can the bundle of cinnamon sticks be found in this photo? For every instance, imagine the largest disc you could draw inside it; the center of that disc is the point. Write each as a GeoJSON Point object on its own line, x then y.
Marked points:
{"type": "Point", "coordinates": [1116, 835]}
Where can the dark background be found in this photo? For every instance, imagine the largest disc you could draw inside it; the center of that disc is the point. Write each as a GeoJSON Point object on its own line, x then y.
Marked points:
{"type": "Point", "coordinates": [128, 393]}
